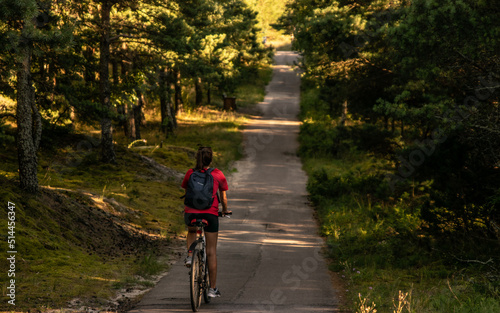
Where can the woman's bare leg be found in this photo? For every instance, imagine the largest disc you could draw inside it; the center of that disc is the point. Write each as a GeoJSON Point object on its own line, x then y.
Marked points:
{"type": "Point", "coordinates": [191, 237]}
{"type": "Point", "coordinates": [212, 257]}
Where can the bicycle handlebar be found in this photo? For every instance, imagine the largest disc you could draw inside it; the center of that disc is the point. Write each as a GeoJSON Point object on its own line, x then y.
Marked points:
{"type": "Point", "coordinates": [225, 214]}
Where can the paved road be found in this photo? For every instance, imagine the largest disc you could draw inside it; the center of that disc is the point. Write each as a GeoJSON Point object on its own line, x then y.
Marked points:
{"type": "Point", "coordinates": [269, 252]}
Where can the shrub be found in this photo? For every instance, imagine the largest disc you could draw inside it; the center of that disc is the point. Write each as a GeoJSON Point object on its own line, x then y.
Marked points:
{"type": "Point", "coordinates": [317, 139]}
{"type": "Point", "coordinates": [323, 138]}
{"type": "Point", "coordinates": [369, 137]}
{"type": "Point", "coordinates": [321, 186]}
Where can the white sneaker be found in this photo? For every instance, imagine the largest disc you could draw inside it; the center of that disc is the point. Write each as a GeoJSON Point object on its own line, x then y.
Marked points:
{"type": "Point", "coordinates": [214, 292]}
{"type": "Point", "coordinates": [188, 261]}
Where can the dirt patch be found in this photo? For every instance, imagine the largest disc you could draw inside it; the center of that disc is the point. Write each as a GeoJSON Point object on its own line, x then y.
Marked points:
{"type": "Point", "coordinates": [126, 298]}
{"type": "Point", "coordinates": [97, 225]}
{"type": "Point", "coordinates": [92, 224]}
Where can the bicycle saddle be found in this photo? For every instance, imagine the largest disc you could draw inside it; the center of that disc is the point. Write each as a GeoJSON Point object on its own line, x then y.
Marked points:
{"type": "Point", "coordinates": [198, 221]}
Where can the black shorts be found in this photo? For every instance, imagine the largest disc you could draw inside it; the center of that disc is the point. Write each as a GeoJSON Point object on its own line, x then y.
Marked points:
{"type": "Point", "coordinates": [213, 220]}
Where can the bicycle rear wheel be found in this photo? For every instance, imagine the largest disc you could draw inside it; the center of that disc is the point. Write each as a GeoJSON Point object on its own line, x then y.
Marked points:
{"type": "Point", "coordinates": [206, 284]}
{"type": "Point", "coordinates": [196, 280]}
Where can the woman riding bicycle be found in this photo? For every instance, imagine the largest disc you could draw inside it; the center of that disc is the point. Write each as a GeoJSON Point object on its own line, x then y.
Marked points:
{"type": "Point", "coordinates": [203, 161]}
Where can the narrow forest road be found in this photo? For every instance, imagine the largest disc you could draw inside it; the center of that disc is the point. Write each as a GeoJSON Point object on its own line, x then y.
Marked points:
{"type": "Point", "coordinates": [269, 251]}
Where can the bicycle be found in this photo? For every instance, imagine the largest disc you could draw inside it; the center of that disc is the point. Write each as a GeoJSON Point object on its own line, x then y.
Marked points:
{"type": "Point", "coordinates": [199, 280]}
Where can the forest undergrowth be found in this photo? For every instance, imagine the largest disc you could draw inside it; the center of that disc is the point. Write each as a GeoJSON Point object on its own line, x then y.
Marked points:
{"type": "Point", "coordinates": [393, 254]}
{"type": "Point", "coordinates": [97, 231]}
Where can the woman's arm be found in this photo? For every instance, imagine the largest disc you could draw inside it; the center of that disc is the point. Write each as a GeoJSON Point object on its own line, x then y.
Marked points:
{"type": "Point", "coordinates": [223, 199]}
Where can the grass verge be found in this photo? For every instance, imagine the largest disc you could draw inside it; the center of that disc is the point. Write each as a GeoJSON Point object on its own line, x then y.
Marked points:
{"type": "Point", "coordinates": [379, 242]}
{"type": "Point", "coordinates": [95, 229]}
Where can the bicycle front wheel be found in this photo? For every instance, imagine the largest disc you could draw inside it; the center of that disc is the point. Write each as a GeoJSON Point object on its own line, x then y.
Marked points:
{"type": "Point", "coordinates": [196, 280]}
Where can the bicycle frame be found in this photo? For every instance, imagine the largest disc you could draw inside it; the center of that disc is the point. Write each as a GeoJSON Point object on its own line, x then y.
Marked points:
{"type": "Point", "coordinates": [199, 224]}
{"type": "Point", "coordinates": [199, 278]}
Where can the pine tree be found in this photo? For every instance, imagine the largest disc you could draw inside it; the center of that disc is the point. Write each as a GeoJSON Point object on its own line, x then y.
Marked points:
{"type": "Point", "coordinates": [28, 26]}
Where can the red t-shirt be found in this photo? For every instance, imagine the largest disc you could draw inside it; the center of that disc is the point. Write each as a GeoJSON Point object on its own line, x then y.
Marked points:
{"type": "Point", "coordinates": [220, 183]}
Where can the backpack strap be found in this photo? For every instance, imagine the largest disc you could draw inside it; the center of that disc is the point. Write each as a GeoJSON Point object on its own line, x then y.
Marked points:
{"type": "Point", "coordinates": [184, 196]}
{"type": "Point", "coordinates": [209, 171]}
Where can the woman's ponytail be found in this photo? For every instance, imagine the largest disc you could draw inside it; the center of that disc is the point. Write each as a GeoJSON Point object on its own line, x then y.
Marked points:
{"type": "Point", "coordinates": [203, 157]}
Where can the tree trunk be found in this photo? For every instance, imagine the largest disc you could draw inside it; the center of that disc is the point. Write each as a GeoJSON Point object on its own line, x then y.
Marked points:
{"type": "Point", "coordinates": [209, 100]}
{"type": "Point", "coordinates": [131, 121]}
{"type": "Point", "coordinates": [343, 118]}
{"type": "Point", "coordinates": [88, 74]}
{"type": "Point", "coordinates": [52, 80]}
{"type": "Point", "coordinates": [43, 72]}
{"type": "Point", "coordinates": [198, 91]}
{"type": "Point", "coordinates": [120, 108]}
{"type": "Point", "coordinates": [178, 96]}
{"type": "Point", "coordinates": [163, 101]}
{"type": "Point", "coordinates": [127, 124]}
{"type": "Point", "coordinates": [107, 152]}
{"type": "Point", "coordinates": [169, 121]}
{"type": "Point", "coordinates": [137, 121]}
{"type": "Point", "coordinates": [29, 131]}
{"type": "Point", "coordinates": [171, 118]}
{"type": "Point", "coordinates": [138, 114]}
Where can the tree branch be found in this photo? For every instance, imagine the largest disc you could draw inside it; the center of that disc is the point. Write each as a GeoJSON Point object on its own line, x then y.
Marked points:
{"type": "Point", "coordinates": [123, 36]}
{"type": "Point", "coordinates": [472, 261]}
{"type": "Point", "coordinates": [475, 64]}
{"type": "Point", "coordinates": [366, 61]}
{"type": "Point", "coordinates": [4, 115]}
{"type": "Point", "coordinates": [496, 131]}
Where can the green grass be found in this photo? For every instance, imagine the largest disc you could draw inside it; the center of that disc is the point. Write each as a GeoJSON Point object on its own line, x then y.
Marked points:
{"type": "Point", "coordinates": [51, 267]}
{"type": "Point", "coordinates": [252, 90]}
{"type": "Point", "coordinates": [377, 241]}
{"type": "Point", "coordinates": [57, 264]}
{"type": "Point", "coordinates": [380, 249]}
{"type": "Point", "coordinates": [96, 228]}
